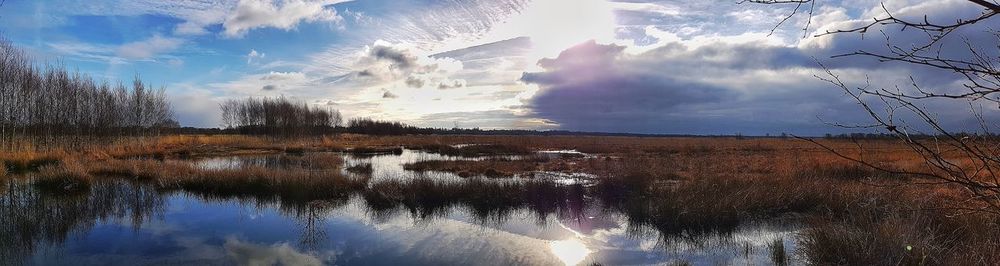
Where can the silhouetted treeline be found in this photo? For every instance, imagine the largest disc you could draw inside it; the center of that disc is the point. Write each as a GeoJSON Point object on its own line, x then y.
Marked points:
{"type": "Point", "coordinates": [277, 116]}
{"type": "Point", "coordinates": [42, 103]}
{"type": "Point", "coordinates": [376, 127]}
{"type": "Point", "coordinates": [960, 135]}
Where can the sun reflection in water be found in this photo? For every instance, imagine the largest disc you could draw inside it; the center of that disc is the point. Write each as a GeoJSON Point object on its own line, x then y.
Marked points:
{"type": "Point", "coordinates": [570, 251]}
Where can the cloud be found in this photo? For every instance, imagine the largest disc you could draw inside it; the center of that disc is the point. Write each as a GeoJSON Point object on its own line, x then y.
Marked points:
{"type": "Point", "coordinates": [269, 87]}
{"type": "Point", "coordinates": [414, 82]}
{"type": "Point", "coordinates": [493, 119]}
{"type": "Point", "coordinates": [384, 62]}
{"type": "Point", "coordinates": [714, 83]}
{"type": "Point", "coordinates": [254, 55]}
{"type": "Point", "coordinates": [286, 15]}
{"type": "Point", "coordinates": [597, 87]}
{"type": "Point", "coordinates": [281, 76]}
{"type": "Point", "coordinates": [277, 254]}
{"type": "Point", "coordinates": [149, 48]}
{"type": "Point", "coordinates": [194, 106]}
{"type": "Point", "coordinates": [389, 95]}
{"type": "Point", "coordinates": [660, 9]}
{"type": "Point", "coordinates": [174, 62]}
{"type": "Point", "coordinates": [451, 85]}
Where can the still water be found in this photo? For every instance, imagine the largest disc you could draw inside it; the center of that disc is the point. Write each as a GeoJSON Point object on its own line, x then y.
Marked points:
{"type": "Point", "coordinates": [127, 223]}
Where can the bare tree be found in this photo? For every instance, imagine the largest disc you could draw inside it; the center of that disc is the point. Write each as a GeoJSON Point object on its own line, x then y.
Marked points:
{"type": "Point", "coordinates": [277, 116]}
{"type": "Point", "coordinates": [971, 161]}
{"type": "Point", "coordinates": [50, 104]}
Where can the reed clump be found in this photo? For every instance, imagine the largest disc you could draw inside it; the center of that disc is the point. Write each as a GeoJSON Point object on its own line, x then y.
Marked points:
{"type": "Point", "coordinates": [310, 177]}
{"type": "Point", "coordinates": [319, 161]}
{"type": "Point", "coordinates": [69, 176]}
{"type": "Point", "coordinates": [140, 169]}
{"type": "Point", "coordinates": [487, 200]}
{"type": "Point", "coordinates": [374, 150]}
{"type": "Point", "coordinates": [298, 185]}
{"type": "Point", "coordinates": [28, 160]}
{"type": "Point", "coordinates": [489, 168]}
{"type": "Point", "coordinates": [473, 150]}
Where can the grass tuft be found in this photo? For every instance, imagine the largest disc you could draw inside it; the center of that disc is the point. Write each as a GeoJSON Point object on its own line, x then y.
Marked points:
{"type": "Point", "coordinates": [473, 150]}
{"type": "Point", "coordinates": [376, 150]}
{"type": "Point", "coordinates": [66, 177]}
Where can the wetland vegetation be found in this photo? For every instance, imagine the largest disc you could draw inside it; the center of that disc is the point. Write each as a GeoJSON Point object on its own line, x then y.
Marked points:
{"type": "Point", "coordinates": [675, 200]}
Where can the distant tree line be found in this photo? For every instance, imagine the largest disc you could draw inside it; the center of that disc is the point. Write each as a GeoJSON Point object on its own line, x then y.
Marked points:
{"type": "Point", "coordinates": [277, 116]}
{"type": "Point", "coordinates": [960, 135]}
{"type": "Point", "coordinates": [49, 103]}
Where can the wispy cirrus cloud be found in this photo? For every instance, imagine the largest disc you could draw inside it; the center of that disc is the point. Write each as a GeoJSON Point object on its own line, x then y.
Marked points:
{"type": "Point", "coordinates": [149, 48]}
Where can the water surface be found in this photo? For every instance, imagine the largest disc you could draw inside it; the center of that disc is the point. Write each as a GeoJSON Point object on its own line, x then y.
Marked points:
{"type": "Point", "coordinates": [122, 222]}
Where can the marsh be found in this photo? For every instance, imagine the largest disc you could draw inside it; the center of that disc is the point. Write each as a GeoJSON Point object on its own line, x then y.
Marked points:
{"type": "Point", "coordinates": [422, 218]}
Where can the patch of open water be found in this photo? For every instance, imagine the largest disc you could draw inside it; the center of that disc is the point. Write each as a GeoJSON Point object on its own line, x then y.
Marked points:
{"type": "Point", "coordinates": [119, 222]}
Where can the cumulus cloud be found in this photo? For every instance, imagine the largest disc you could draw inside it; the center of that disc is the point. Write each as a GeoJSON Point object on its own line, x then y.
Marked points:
{"type": "Point", "coordinates": [286, 15]}
{"type": "Point", "coordinates": [194, 106]}
{"type": "Point", "coordinates": [414, 82]}
{"type": "Point", "coordinates": [389, 95]}
{"type": "Point", "coordinates": [149, 48]}
{"type": "Point", "coordinates": [458, 83]}
{"type": "Point", "coordinates": [254, 55]}
{"type": "Point", "coordinates": [385, 62]}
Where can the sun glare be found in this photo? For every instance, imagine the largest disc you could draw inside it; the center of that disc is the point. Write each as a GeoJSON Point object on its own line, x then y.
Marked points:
{"type": "Point", "coordinates": [554, 25]}
{"type": "Point", "coordinates": [570, 251]}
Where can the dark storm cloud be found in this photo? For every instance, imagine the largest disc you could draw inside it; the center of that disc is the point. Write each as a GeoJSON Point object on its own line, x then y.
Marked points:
{"type": "Point", "coordinates": [719, 87]}
{"type": "Point", "coordinates": [590, 77]}
{"type": "Point", "coordinates": [596, 87]}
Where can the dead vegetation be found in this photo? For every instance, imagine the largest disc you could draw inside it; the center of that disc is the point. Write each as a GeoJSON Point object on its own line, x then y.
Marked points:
{"type": "Point", "coordinates": [678, 186]}
{"type": "Point", "coordinates": [472, 150]}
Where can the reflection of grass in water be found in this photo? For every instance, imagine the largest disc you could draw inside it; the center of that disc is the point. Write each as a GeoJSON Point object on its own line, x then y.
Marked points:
{"type": "Point", "coordinates": [33, 218]}
{"type": "Point", "coordinates": [488, 201]}
{"type": "Point", "coordinates": [685, 194]}
{"type": "Point", "coordinates": [778, 254]}
{"type": "Point", "coordinates": [671, 212]}
{"type": "Point", "coordinates": [361, 169]}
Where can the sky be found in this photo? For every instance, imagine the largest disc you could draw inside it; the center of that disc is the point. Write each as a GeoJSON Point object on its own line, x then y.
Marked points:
{"type": "Point", "coordinates": [670, 67]}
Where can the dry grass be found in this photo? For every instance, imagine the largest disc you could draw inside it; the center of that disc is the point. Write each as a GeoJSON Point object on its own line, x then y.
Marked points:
{"type": "Point", "coordinates": [679, 186]}
{"type": "Point", "coordinates": [309, 177]}
{"type": "Point", "coordinates": [375, 150]}
{"type": "Point", "coordinates": [69, 176]}
{"type": "Point", "coordinates": [488, 201]}
{"type": "Point", "coordinates": [30, 159]}
{"type": "Point", "coordinates": [473, 150]}
{"type": "Point", "coordinates": [487, 168]}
